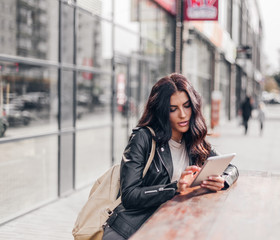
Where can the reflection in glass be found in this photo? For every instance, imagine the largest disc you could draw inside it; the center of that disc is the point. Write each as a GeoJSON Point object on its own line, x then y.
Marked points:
{"type": "Point", "coordinates": [28, 175]}
{"type": "Point", "coordinates": [97, 7]}
{"type": "Point", "coordinates": [28, 98]}
{"type": "Point", "coordinates": [93, 155]}
{"type": "Point", "coordinates": [66, 101]}
{"type": "Point", "coordinates": [125, 42]}
{"type": "Point", "coordinates": [124, 109]}
{"type": "Point", "coordinates": [94, 47]}
{"type": "Point", "coordinates": [149, 17]}
{"type": "Point", "coordinates": [224, 87]}
{"type": "Point", "coordinates": [89, 41]}
{"type": "Point", "coordinates": [29, 28]}
{"type": "Point", "coordinates": [93, 99]}
{"type": "Point", "coordinates": [158, 29]}
{"type": "Point", "coordinates": [66, 33]}
{"type": "Point", "coordinates": [126, 14]}
{"type": "Point", "coordinates": [156, 24]}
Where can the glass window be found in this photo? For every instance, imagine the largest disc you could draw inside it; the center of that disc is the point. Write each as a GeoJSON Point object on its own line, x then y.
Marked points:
{"type": "Point", "coordinates": [28, 175]}
{"type": "Point", "coordinates": [199, 59]}
{"type": "Point", "coordinates": [67, 99]}
{"type": "Point", "coordinates": [166, 26]}
{"type": "Point", "coordinates": [225, 87]}
{"type": "Point", "coordinates": [30, 29]}
{"type": "Point", "coordinates": [28, 98]}
{"type": "Point", "coordinates": [165, 60]}
{"type": "Point", "coordinates": [126, 42]}
{"type": "Point", "coordinates": [8, 25]}
{"type": "Point", "coordinates": [89, 41]}
{"type": "Point", "coordinates": [94, 46]}
{"type": "Point", "coordinates": [93, 99]}
{"type": "Point", "coordinates": [93, 156]}
{"type": "Point", "coordinates": [124, 109]}
{"type": "Point", "coordinates": [149, 15]}
{"type": "Point", "coordinates": [151, 49]}
{"type": "Point", "coordinates": [98, 7]}
{"type": "Point", "coordinates": [157, 27]}
{"type": "Point", "coordinates": [126, 14]}
{"type": "Point", "coordinates": [67, 33]}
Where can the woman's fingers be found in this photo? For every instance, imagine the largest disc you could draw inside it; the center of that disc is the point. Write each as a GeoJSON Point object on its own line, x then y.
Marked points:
{"type": "Point", "coordinates": [190, 170]}
{"type": "Point", "coordinates": [193, 168]}
{"type": "Point", "coordinates": [214, 183]}
{"type": "Point", "coordinates": [187, 178]}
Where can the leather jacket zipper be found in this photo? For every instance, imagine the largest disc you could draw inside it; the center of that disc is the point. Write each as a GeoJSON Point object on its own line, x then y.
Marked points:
{"type": "Point", "coordinates": [156, 165]}
{"type": "Point", "coordinates": [159, 190]}
{"type": "Point", "coordinates": [151, 191]}
{"type": "Point", "coordinates": [166, 189]}
{"type": "Point", "coordinates": [163, 163]}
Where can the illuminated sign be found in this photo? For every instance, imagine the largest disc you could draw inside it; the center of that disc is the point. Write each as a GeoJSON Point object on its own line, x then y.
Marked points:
{"type": "Point", "coordinates": [201, 10]}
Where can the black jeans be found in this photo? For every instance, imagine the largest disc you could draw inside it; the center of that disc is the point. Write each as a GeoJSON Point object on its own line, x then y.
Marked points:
{"type": "Point", "coordinates": [110, 234]}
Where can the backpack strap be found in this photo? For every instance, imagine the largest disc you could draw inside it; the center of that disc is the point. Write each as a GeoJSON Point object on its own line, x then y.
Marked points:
{"type": "Point", "coordinates": [116, 203]}
{"type": "Point", "coordinates": [152, 153]}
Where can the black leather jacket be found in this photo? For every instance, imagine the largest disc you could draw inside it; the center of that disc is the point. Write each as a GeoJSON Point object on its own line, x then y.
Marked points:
{"type": "Point", "coordinates": [142, 196]}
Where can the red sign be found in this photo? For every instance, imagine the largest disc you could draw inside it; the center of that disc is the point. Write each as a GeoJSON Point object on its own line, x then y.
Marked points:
{"type": "Point", "coordinates": [89, 63]}
{"type": "Point", "coordinates": [216, 98]}
{"type": "Point", "coordinates": [201, 10]}
{"type": "Point", "coordinates": [168, 5]}
{"type": "Point", "coordinates": [121, 96]}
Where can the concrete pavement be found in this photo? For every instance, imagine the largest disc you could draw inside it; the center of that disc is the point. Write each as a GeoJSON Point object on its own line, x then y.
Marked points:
{"type": "Point", "coordinates": [51, 222]}
{"type": "Point", "coordinates": [254, 152]}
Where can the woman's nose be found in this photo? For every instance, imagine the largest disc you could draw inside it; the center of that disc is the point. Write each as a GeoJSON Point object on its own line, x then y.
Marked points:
{"type": "Point", "coordinates": [182, 113]}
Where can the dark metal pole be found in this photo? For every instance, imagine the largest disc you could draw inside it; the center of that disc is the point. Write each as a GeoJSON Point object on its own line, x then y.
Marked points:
{"type": "Point", "coordinates": [74, 95]}
{"type": "Point", "coordinates": [140, 62]}
{"type": "Point", "coordinates": [179, 35]}
{"type": "Point", "coordinates": [128, 101]}
{"type": "Point", "coordinates": [59, 96]}
{"type": "Point", "coordinates": [113, 87]}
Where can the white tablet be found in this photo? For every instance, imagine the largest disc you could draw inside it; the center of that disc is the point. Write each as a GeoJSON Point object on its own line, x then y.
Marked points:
{"type": "Point", "coordinates": [213, 166]}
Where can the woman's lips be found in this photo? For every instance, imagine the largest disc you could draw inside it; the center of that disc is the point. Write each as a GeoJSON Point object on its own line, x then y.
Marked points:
{"type": "Point", "coordinates": [183, 124]}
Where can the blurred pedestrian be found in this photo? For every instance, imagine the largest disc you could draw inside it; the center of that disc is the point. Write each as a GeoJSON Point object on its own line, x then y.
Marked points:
{"type": "Point", "coordinates": [246, 109]}
{"type": "Point", "coordinates": [261, 116]}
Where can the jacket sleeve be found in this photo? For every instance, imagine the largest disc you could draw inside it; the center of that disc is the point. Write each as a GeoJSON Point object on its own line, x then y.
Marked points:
{"type": "Point", "coordinates": [133, 192]}
{"type": "Point", "coordinates": [230, 174]}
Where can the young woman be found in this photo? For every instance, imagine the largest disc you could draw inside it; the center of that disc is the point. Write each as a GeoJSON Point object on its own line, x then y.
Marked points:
{"type": "Point", "coordinates": [173, 111]}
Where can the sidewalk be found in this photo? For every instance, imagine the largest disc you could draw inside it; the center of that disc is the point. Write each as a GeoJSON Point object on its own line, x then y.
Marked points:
{"type": "Point", "coordinates": [254, 152]}
{"type": "Point", "coordinates": [52, 222]}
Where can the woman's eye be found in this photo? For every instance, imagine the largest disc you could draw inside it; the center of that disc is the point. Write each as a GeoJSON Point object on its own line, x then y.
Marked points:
{"type": "Point", "coordinates": [172, 109]}
{"type": "Point", "coordinates": [187, 105]}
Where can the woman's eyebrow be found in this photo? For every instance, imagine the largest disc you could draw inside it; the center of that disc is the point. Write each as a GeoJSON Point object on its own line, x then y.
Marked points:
{"type": "Point", "coordinates": [183, 104]}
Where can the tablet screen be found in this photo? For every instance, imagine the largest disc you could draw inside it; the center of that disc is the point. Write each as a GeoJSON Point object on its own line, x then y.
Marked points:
{"type": "Point", "coordinates": [213, 166]}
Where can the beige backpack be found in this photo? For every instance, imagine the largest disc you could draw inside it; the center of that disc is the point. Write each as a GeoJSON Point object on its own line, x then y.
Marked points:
{"type": "Point", "coordinates": [102, 201]}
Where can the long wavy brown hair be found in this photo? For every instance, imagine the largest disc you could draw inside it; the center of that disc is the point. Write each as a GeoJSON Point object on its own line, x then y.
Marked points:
{"type": "Point", "coordinates": [157, 110]}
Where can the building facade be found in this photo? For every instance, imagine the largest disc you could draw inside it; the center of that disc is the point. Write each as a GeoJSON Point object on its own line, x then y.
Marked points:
{"type": "Point", "coordinates": [224, 56]}
{"type": "Point", "coordinates": [74, 76]}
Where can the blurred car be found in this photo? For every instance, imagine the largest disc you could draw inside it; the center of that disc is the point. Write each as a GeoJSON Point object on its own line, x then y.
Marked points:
{"type": "Point", "coordinates": [3, 125]}
{"type": "Point", "coordinates": [15, 116]}
{"type": "Point", "coordinates": [270, 97]}
{"type": "Point", "coordinates": [32, 100]}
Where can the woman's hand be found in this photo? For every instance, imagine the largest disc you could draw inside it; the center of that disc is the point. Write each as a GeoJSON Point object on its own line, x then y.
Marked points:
{"type": "Point", "coordinates": [213, 183]}
{"type": "Point", "coordinates": [186, 178]}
